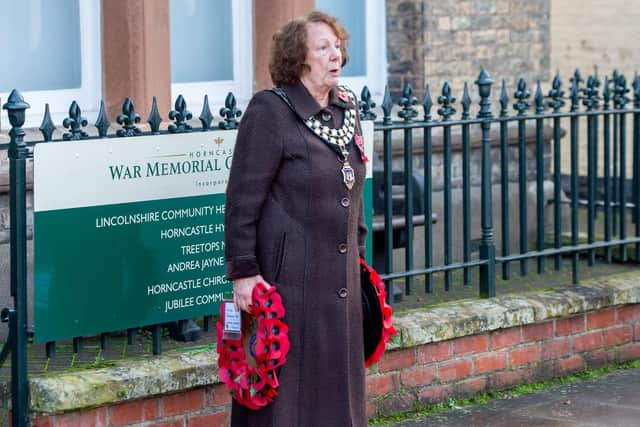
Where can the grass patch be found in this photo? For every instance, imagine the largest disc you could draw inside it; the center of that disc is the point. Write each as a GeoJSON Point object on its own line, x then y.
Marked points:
{"type": "Point", "coordinates": [484, 397]}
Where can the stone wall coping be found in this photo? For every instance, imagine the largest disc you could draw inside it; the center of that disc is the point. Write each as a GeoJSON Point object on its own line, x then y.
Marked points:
{"type": "Point", "coordinates": [177, 371]}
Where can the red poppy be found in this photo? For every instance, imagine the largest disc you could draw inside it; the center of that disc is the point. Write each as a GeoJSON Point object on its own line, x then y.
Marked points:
{"type": "Point", "coordinates": [388, 330]}
{"type": "Point", "coordinates": [247, 366]}
{"type": "Point", "coordinates": [343, 96]}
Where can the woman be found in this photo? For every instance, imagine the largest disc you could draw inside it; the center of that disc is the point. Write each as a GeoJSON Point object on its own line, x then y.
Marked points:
{"type": "Point", "coordinates": [294, 220]}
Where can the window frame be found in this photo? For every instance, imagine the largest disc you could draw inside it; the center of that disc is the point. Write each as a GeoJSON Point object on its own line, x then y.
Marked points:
{"type": "Point", "coordinates": [376, 40]}
{"type": "Point", "coordinates": [88, 94]}
{"type": "Point", "coordinates": [242, 83]}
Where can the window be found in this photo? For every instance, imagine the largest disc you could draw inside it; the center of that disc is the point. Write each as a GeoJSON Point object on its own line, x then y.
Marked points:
{"type": "Point", "coordinates": [365, 22]}
{"type": "Point", "coordinates": [211, 51]}
{"type": "Point", "coordinates": [50, 52]}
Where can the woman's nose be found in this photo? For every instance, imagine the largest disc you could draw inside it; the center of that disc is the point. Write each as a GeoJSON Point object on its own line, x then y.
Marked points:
{"type": "Point", "coordinates": [336, 54]}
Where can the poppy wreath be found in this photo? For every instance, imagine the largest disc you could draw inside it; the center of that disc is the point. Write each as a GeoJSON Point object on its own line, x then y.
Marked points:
{"type": "Point", "coordinates": [247, 365]}
{"type": "Point", "coordinates": [376, 314]}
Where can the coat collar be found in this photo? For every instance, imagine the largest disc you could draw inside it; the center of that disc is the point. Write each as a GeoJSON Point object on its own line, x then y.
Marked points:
{"type": "Point", "coordinates": [306, 105]}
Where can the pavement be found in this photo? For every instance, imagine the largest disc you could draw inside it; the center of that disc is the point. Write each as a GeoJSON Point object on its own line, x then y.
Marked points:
{"type": "Point", "coordinates": [612, 401]}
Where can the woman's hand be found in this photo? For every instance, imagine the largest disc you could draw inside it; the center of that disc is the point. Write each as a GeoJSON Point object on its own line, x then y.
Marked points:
{"type": "Point", "coordinates": [243, 289]}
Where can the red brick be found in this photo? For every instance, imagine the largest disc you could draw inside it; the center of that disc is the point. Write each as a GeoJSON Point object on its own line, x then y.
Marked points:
{"type": "Point", "coordinates": [491, 362]}
{"type": "Point", "coordinates": [378, 385]}
{"type": "Point", "coordinates": [455, 370]}
{"type": "Point", "coordinates": [371, 409]}
{"type": "Point", "coordinates": [636, 332]}
{"type": "Point", "coordinates": [556, 349]}
{"type": "Point", "coordinates": [570, 365]}
{"type": "Point", "coordinates": [629, 313]}
{"type": "Point", "coordinates": [435, 394]}
{"type": "Point", "coordinates": [570, 326]}
{"type": "Point", "coordinates": [41, 421]}
{"type": "Point", "coordinates": [218, 419]}
{"type": "Point", "coordinates": [181, 403]}
{"type": "Point", "coordinates": [586, 342]}
{"type": "Point", "coordinates": [507, 379]}
{"type": "Point", "coordinates": [505, 338]}
{"type": "Point", "coordinates": [133, 412]}
{"type": "Point", "coordinates": [524, 355]}
{"type": "Point", "coordinates": [174, 423]}
{"type": "Point", "coordinates": [618, 335]}
{"type": "Point", "coordinates": [601, 319]}
{"type": "Point", "coordinates": [471, 386]}
{"type": "Point", "coordinates": [599, 358]}
{"type": "Point", "coordinates": [629, 352]}
{"type": "Point", "coordinates": [398, 359]}
{"type": "Point", "coordinates": [395, 403]}
{"type": "Point", "coordinates": [434, 352]}
{"type": "Point", "coordinates": [471, 344]}
{"type": "Point", "coordinates": [94, 418]}
{"type": "Point", "coordinates": [218, 395]}
{"type": "Point", "coordinates": [537, 332]}
{"type": "Point", "coordinates": [418, 377]}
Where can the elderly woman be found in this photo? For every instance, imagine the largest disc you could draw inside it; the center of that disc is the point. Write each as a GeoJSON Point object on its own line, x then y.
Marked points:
{"type": "Point", "coordinates": [294, 219]}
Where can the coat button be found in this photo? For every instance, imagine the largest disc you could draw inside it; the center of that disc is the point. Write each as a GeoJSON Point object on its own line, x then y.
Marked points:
{"type": "Point", "coordinates": [342, 248]}
{"type": "Point", "coordinates": [342, 293]}
{"type": "Point", "coordinates": [345, 202]}
{"type": "Point", "coordinates": [326, 116]}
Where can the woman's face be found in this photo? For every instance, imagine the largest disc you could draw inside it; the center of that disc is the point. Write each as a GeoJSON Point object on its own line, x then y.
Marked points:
{"type": "Point", "coordinates": [324, 57]}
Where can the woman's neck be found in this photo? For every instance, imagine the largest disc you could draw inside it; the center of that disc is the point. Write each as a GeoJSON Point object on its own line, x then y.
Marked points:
{"type": "Point", "coordinates": [321, 95]}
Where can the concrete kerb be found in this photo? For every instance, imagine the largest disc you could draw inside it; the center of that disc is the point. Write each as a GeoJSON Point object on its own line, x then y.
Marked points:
{"type": "Point", "coordinates": [173, 372]}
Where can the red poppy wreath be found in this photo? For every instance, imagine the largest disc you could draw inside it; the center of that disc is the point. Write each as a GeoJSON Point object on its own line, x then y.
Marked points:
{"type": "Point", "coordinates": [247, 365]}
{"type": "Point", "coordinates": [376, 314]}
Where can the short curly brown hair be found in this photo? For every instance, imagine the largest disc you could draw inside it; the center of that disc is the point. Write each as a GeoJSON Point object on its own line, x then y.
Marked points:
{"type": "Point", "coordinates": [289, 47]}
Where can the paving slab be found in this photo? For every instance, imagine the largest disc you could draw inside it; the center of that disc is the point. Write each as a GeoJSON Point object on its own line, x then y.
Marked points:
{"type": "Point", "coordinates": [611, 401]}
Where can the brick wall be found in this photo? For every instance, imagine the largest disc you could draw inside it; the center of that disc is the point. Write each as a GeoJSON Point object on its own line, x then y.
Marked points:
{"type": "Point", "coordinates": [590, 33]}
{"type": "Point", "coordinates": [200, 407]}
{"type": "Point", "coordinates": [503, 358]}
{"type": "Point", "coordinates": [510, 38]}
{"type": "Point", "coordinates": [424, 374]}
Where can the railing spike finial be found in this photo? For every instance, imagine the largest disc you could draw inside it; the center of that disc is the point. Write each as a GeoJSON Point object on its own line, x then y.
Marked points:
{"type": "Point", "coordinates": [47, 127]}
{"type": "Point", "coordinates": [606, 93]}
{"type": "Point", "coordinates": [407, 101]}
{"type": "Point", "coordinates": [75, 122]}
{"type": "Point", "coordinates": [590, 97]}
{"type": "Point", "coordinates": [620, 90]}
{"type": "Point", "coordinates": [128, 120]}
{"type": "Point", "coordinates": [522, 94]}
{"type": "Point", "coordinates": [539, 99]}
{"type": "Point", "coordinates": [484, 83]}
{"type": "Point", "coordinates": [575, 90]}
{"type": "Point", "coordinates": [180, 115]}
{"type": "Point", "coordinates": [366, 105]}
{"type": "Point", "coordinates": [154, 119]}
{"type": "Point", "coordinates": [386, 106]}
{"type": "Point", "coordinates": [504, 100]}
{"type": "Point", "coordinates": [206, 117]}
{"type": "Point", "coordinates": [230, 113]}
{"type": "Point", "coordinates": [556, 94]}
{"type": "Point", "coordinates": [102, 122]}
{"type": "Point", "coordinates": [577, 77]}
{"type": "Point", "coordinates": [446, 102]}
{"type": "Point", "coordinates": [636, 91]}
{"type": "Point", "coordinates": [465, 101]}
{"type": "Point", "coordinates": [427, 103]}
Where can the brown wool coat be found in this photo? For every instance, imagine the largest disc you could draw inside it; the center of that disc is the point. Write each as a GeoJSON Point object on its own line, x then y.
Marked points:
{"type": "Point", "coordinates": [290, 218]}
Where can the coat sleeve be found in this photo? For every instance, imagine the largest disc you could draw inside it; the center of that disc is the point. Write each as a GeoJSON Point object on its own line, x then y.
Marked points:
{"type": "Point", "coordinates": [362, 233]}
{"type": "Point", "coordinates": [256, 159]}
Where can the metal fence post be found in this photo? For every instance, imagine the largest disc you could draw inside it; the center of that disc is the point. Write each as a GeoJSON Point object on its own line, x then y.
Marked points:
{"type": "Point", "coordinates": [487, 245]}
{"type": "Point", "coordinates": [17, 154]}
